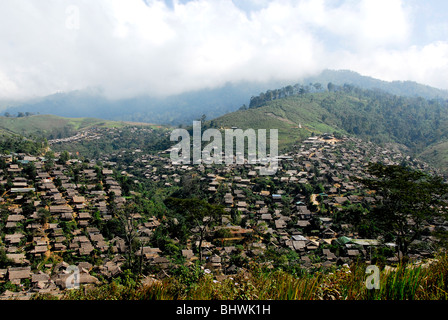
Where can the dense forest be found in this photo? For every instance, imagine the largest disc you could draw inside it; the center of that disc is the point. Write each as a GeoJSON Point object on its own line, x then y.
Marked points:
{"type": "Point", "coordinates": [172, 110]}
{"type": "Point", "coordinates": [399, 88]}
{"type": "Point", "coordinates": [20, 144]}
{"type": "Point", "coordinates": [213, 102]}
{"type": "Point", "coordinates": [374, 114]}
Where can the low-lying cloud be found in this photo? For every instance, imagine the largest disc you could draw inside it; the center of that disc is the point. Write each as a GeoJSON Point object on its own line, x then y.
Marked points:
{"type": "Point", "coordinates": [167, 47]}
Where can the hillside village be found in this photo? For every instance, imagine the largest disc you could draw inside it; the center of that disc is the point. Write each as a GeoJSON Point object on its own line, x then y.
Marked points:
{"type": "Point", "coordinates": [53, 216]}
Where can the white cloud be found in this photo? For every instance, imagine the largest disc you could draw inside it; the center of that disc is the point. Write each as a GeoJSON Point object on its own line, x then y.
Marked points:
{"type": "Point", "coordinates": [427, 64]}
{"type": "Point", "coordinates": [8, 88]}
{"type": "Point", "coordinates": [358, 25]}
{"type": "Point", "coordinates": [132, 47]}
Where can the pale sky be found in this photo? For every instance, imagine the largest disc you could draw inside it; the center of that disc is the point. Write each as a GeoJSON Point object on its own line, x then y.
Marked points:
{"type": "Point", "coordinates": [155, 47]}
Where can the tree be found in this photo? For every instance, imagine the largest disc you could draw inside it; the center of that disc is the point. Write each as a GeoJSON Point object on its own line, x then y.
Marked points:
{"type": "Point", "coordinates": [199, 214]}
{"type": "Point", "coordinates": [129, 229]}
{"type": "Point", "coordinates": [410, 199]}
{"type": "Point", "coordinates": [191, 187]}
{"type": "Point", "coordinates": [317, 86]}
{"type": "Point", "coordinates": [4, 260]}
{"type": "Point", "coordinates": [289, 90]}
{"type": "Point", "coordinates": [43, 215]}
{"type": "Point", "coordinates": [30, 170]}
{"type": "Point", "coordinates": [64, 157]}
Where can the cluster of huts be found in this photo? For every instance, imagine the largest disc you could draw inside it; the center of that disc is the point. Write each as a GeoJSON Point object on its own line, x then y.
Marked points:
{"type": "Point", "coordinates": [51, 213]}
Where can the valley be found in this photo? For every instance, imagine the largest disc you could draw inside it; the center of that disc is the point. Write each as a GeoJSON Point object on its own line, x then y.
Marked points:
{"type": "Point", "coordinates": [64, 211]}
{"type": "Point", "coordinates": [103, 197]}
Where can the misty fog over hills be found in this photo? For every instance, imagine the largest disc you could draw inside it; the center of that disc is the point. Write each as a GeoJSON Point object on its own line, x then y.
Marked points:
{"type": "Point", "coordinates": [186, 107]}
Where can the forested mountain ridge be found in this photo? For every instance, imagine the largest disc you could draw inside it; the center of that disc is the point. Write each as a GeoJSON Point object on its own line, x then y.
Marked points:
{"type": "Point", "coordinates": [213, 102]}
{"type": "Point", "coordinates": [400, 88]}
{"type": "Point", "coordinates": [298, 111]}
{"type": "Point", "coordinates": [172, 110]}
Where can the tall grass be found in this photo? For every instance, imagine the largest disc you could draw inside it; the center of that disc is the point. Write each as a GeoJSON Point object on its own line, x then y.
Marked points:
{"type": "Point", "coordinates": [405, 282]}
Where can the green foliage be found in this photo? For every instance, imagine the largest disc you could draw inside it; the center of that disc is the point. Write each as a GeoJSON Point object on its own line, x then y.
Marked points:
{"type": "Point", "coordinates": [43, 215]}
{"type": "Point", "coordinates": [14, 143]}
{"type": "Point", "coordinates": [405, 282]}
{"type": "Point", "coordinates": [50, 126]}
{"type": "Point", "coordinates": [347, 78]}
{"type": "Point", "coordinates": [116, 139]}
{"type": "Point", "coordinates": [187, 278]}
{"type": "Point", "coordinates": [4, 261]}
{"type": "Point", "coordinates": [370, 114]}
{"type": "Point", "coordinates": [199, 215]}
{"type": "Point", "coordinates": [223, 233]}
{"type": "Point", "coordinates": [410, 199]}
{"type": "Point", "coordinates": [9, 286]}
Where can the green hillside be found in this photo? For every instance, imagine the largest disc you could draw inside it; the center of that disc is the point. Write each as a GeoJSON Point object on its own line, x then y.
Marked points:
{"type": "Point", "coordinates": [400, 88]}
{"type": "Point", "coordinates": [50, 126]}
{"type": "Point", "coordinates": [295, 118]}
{"type": "Point", "coordinates": [437, 155]}
{"type": "Point", "coordinates": [381, 117]}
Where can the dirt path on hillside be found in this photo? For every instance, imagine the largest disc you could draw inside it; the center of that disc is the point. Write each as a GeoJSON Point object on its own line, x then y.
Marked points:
{"type": "Point", "coordinates": [280, 118]}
